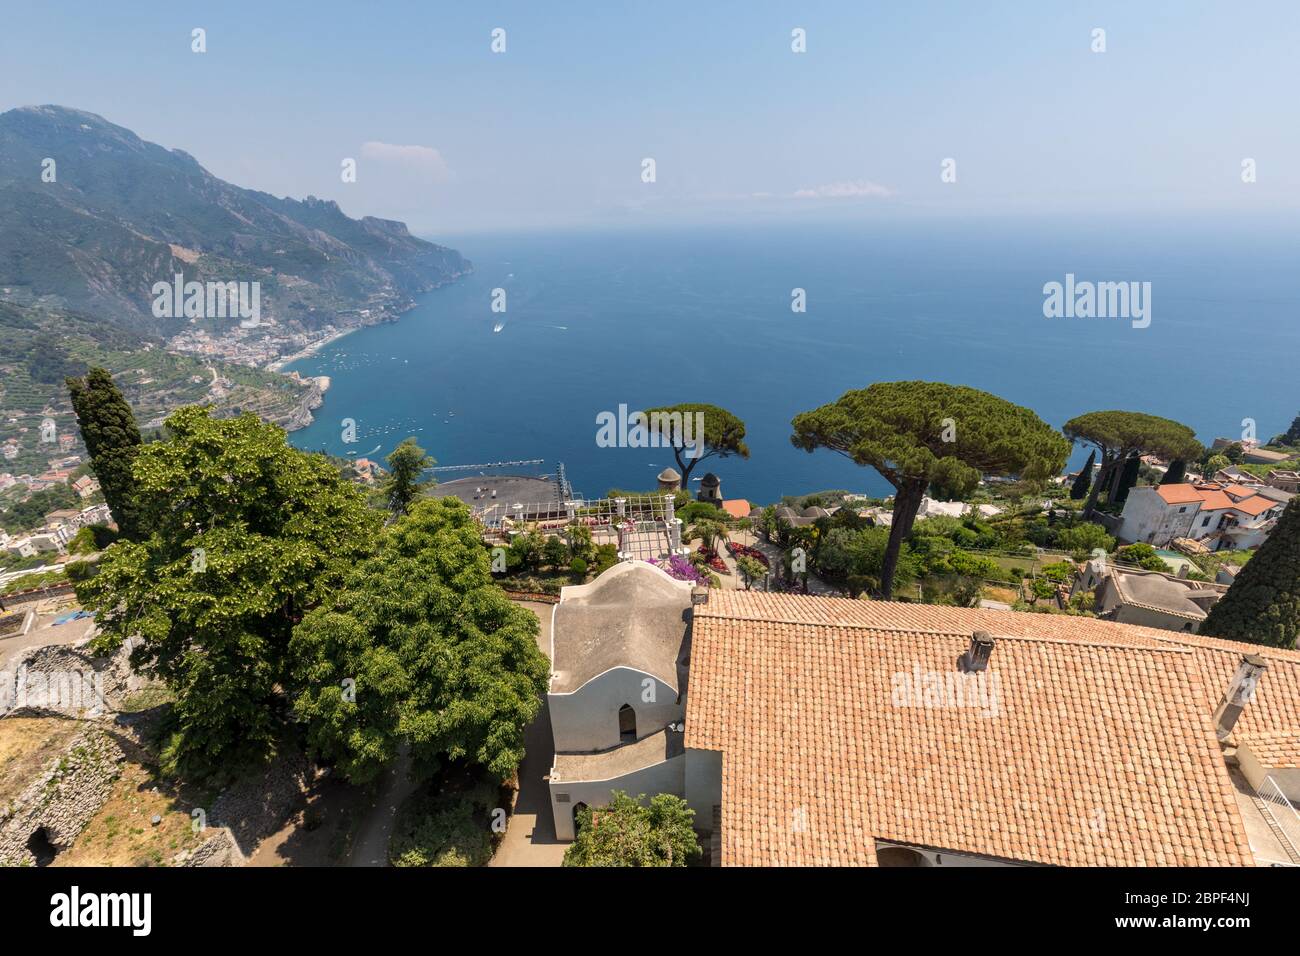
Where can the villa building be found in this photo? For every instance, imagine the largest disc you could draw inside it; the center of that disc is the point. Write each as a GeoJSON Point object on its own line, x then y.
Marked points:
{"type": "Point", "coordinates": [1220, 515]}
{"type": "Point", "coordinates": [1288, 481]}
{"type": "Point", "coordinates": [814, 730]}
{"type": "Point", "coordinates": [1149, 598]}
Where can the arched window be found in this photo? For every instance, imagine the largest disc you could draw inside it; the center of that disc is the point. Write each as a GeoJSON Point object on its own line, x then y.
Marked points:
{"type": "Point", "coordinates": [898, 856]}
{"type": "Point", "coordinates": [626, 723]}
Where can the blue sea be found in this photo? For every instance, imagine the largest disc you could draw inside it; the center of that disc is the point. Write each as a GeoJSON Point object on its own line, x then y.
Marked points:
{"type": "Point", "coordinates": [647, 317]}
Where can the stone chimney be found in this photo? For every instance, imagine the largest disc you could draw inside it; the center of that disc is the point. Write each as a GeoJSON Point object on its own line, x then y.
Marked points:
{"type": "Point", "coordinates": [977, 655]}
{"type": "Point", "coordinates": [1240, 692]}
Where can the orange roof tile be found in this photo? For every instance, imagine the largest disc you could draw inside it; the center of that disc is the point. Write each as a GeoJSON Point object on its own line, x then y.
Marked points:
{"type": "Point", "coordinates": [1275, 750]}
{"type": "Point", "coordinates": [1180, 494]}
{"type": "Point", "coordinates": [1096, 745]}
{"type": "Point", "coordinates": [1215, 500]}
{"type": "Point", "coordinates": [736, 507]}
{"type": "Point", "coordinates": [1255, 506]}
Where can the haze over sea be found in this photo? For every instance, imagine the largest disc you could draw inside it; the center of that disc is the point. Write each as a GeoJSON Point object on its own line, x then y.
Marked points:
{"type": "Point", "coordinates": [648, 317]}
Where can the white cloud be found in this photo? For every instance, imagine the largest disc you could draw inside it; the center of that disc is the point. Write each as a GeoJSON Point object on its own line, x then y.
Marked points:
{"type": "Point", "coordinates": [422, 159]}
{"type": "Point", "coordinates": [849, 189]}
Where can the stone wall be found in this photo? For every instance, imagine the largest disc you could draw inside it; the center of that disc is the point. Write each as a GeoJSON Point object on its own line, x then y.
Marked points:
{"type": "Point", "coordinates": [67, 681]}
{"type": "Point", "coordinates": [63, 799]}
{"type": "Point", "coordinates": [257, 805]}
{"type": "Point", "coordinates": [219, 849]}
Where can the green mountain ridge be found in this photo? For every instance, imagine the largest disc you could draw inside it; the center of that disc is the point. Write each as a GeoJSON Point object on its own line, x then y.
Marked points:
{"type": "Point", "coordinates": [123, 213]}
{"type": "Point", "coordinates": [79, 257]}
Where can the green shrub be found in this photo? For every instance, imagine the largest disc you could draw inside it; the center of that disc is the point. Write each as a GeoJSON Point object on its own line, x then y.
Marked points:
{"type": "Point", "coordinates": [450, 827]}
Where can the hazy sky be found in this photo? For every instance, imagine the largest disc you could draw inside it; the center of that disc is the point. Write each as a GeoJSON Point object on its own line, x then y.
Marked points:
{"type": "Point", "coordinates": [454, 138]}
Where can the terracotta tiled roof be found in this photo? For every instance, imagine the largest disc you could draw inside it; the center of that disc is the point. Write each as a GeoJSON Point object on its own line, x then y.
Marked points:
{"type": "Point", "coordinates": [736, 507]}
{"type": "Point", "coordinates": [1179, 494]}
{"type": "Point", "coordinates": [1095, 746]}
{"type": "Point", "coordinates": [1235, 490]}
{"type": "Point", "coordinates": [1215, 500]}
{"type": "Point", "coordinates": [1255, 506]}
{"type": "Point", "coordinates": [1275, 750]}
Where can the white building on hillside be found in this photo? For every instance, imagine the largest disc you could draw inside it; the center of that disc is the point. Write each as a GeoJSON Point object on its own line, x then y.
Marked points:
{"type": "Point", "coordinates": [1222, 516]}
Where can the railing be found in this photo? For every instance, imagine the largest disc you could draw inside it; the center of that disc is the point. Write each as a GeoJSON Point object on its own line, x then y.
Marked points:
{"type": "Point", "coordinates": [1283, 815]}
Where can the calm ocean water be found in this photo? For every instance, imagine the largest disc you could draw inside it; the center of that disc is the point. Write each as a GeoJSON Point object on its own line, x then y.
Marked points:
{"type": "Point", "coordinates": [646, 318]}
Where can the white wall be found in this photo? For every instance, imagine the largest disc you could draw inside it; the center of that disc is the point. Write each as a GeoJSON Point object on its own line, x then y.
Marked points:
{"type": "Point", "coordinates": [667, 776]}
{"type": "Point", "coordinates": [587, 719]}
{"type": "Point", "coordinates": [703, 784]}
{"type": "Point", "coordinates": [1148, 519]}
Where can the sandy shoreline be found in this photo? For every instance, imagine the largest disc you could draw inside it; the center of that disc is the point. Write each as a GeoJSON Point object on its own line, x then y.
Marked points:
{"type": "Point", "coordinates": [279, 364]}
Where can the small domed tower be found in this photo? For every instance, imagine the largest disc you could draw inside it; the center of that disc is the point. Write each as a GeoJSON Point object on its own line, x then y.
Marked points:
{"type": "Point", "coordinates": [711, 489]}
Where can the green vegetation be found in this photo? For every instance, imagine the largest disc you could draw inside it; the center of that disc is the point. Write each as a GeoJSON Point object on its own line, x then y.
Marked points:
{"type": "Point", "coordinates": [419, 647]}
{"type": "Point", "coordinates": [724, 433]}
{"type": "Point", "coordinates": [1142, 555]}
{"type": "Point", "coordinates": [1291, 437]}
{"type": "Point", "coordinates": [1119, 435]}
{"type": "Point", "coordinates": [405, 466]}
{"type": "Point", "coordinates": [29, 582]}
{"type": "Point", "coordinates": [448, 824]}
{"type": "Point", "coordinates": [1263, 604]}
{"type": "Point", "coordinates": [113, 440]}
{"type": "Point", "coordinates": [24, 515]}
{"type": "Point", "coordinates": [916, 434]}
{"type": "Point", "coordinates": [628, 832]}
{"type": "Point", "coordinates": [248, 534]}
{"type": "Point", "coordinates": [1079, 490]}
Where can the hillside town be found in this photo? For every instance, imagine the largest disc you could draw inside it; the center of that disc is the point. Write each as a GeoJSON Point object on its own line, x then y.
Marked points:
{"type": "Point", "coordinates": [658, 638]}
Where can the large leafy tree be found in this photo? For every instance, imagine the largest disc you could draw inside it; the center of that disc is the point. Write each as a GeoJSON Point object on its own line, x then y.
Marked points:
{"type": "Point", "coordinates": [1263, 604]}
{"type": "Point", "coordinates": [437, 656]}
{"type": "Point", "coordinates": [916, 433]}
{"type": "Point", "coordinates": [627, 832]}
{"type": "Point", "coordinates": [1119, 434]}
{"type": "Point", "coordinates": [724, 434]}
{"type": "Point", "coordinates": [109, 430]}
{"type": "Point", "coordinates": [405, 466]}
{"type": "Point", "coordinates": [247, 534]}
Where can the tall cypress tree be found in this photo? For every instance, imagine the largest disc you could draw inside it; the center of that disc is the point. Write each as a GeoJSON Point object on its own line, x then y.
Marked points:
{"type": "Point", "coordinates": [1177, 473]}
{"type": "Point", "coordinates": [407, 462]}
{"type": "Point", "coordinates": [108, 427]}
{"type": "Point", "coordinates": [1079, 490]}
{"type": "Point", "coordinates": [1263, 604]}
{"type": "Point", "coordinates": [1127, 479]}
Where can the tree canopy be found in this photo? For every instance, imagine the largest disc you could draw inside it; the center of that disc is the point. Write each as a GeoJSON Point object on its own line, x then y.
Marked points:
{"type": "Point", "coordinates": [1263, 604]}
{"type": "Point", "coordinates": [246, 535]}
{"type": "Point", "coordinates": [405, 466]}
{"type": "Point", "coordinates": [1119, 434]}
{"type": "Point", "coordinates": [109, 430]}
{"type": "Point", "coordinates": [724, 433]}
{"type": "Point", "coordinates": [627, 832]}
{"type": "Point", "coordinates": [439, 658]}
{"type": "Point", "coordinates": [918, 433]}
{"type": "Point", "coordinates": [1079, 490]}
{"type": "Point", "coordinates": [1291, 436]}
